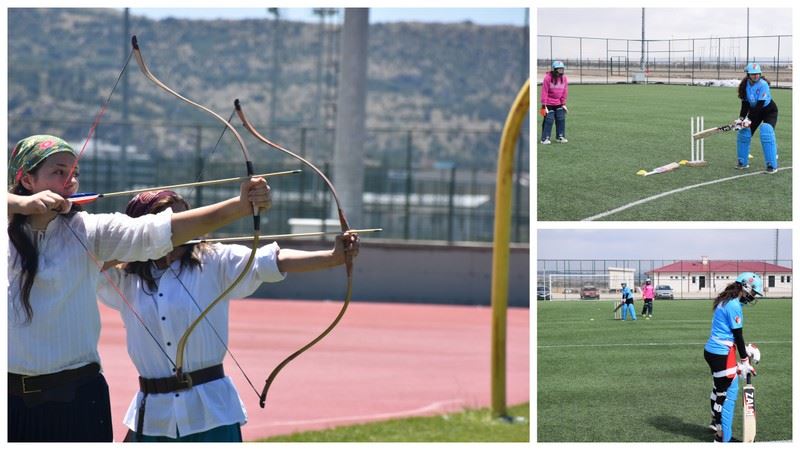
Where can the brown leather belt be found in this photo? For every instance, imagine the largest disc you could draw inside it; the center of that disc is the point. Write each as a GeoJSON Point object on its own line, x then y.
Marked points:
{"type": "Point", "coordinates": [172, 384]}
{"type": "Point", "coordinates": [31, 384]}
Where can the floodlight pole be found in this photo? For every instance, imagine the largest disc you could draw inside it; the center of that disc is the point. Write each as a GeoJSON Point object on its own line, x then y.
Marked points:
{"type": "Point", "coordinates": [747, 55]}
{"type": "Point", "coordinates": [642, 59]}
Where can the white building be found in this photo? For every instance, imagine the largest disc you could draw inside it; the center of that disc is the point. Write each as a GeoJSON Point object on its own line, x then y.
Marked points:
{"type": "Point", "coordinates": [706, 278]}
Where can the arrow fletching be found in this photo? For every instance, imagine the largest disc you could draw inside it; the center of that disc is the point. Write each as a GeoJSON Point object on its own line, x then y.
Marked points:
{"type": "Point", "coordinates": [83, 198]}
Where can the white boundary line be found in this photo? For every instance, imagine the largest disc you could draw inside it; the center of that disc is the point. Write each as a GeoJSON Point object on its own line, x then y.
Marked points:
{"type": "Point", "coordinates": [644, 344]}
{"type": "Point", "coordinates": [674, 191]}
{"type": "Point", "coordinates": [336, 421]}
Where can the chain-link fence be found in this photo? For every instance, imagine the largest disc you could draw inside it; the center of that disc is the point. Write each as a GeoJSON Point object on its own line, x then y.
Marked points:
{"type": "Point", "coordinates": [415, 186]}
{"type": "Point", "coordinates": [672, 61]}
{"type": "Point", "coordinates": [566, 279]}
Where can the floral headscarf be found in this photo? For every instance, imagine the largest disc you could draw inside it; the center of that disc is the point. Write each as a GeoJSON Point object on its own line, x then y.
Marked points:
{"type": "Point", "coordinates": [31, 151]}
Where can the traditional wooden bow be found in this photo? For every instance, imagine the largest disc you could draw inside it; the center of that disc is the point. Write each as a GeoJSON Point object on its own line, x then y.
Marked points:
{"type": "Point", "coordinates": [348, 260]}
{"type": "Point", "coordinates": [179, 369]}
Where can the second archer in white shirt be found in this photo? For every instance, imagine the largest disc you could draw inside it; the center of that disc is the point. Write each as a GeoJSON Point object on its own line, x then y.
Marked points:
{"type": "Point", "coordinates": [168, 295]}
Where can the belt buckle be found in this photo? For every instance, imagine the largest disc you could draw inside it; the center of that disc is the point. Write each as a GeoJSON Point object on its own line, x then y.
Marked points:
{"type": "Point", "coordinates": [184, 381]}
{"type": "Point", "coordinates": [25, 389]}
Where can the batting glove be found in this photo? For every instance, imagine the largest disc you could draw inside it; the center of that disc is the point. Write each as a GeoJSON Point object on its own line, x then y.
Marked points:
{"type": "Point", "coordinates": [746, 123]}
{"type": "Point", "coordinates": [744, 368]}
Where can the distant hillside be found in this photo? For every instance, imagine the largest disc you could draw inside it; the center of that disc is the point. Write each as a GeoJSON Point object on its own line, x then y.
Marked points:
{"type": "Point", "coordinates": [63, 62]}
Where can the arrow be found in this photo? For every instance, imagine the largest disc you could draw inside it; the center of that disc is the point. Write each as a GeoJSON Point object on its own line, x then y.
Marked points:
{"type": "Point", "coordinates": [83, 198]}
{"type": "Point", "coordinates": [282, 236]}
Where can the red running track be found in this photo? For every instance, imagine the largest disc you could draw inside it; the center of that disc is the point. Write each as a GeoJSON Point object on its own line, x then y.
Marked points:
{"type": "Point", "coordinates": [383, 361]}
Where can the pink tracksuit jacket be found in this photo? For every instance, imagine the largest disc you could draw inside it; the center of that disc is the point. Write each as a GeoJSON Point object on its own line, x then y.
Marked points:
{"type": "Point", "coordinates": [554, 94]}
{"type": "Point", "coordinates": [648, 291]}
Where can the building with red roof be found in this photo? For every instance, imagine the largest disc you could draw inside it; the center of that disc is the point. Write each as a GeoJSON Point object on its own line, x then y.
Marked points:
{"type": "Point", "coordinates": [705, 278]}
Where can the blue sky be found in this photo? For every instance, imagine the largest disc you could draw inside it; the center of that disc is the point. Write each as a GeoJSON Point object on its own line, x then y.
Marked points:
{"type": "Point", "coordinates": [486, 16]}
{"type": "Point", "coordinates": [663, 23]}
{"type": "Point", "coordinates": [663, 244]}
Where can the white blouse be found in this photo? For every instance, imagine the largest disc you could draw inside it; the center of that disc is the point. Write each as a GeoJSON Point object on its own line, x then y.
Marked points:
{"type": "Point", "coordinates": [168, 311]}
{"type": "Point", "coordinates": [65, 328]}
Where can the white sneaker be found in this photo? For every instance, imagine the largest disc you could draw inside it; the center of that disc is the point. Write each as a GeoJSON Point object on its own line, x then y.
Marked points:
{"type": "Point", "coordinates": [561, 140]}
{"type": "Point", "coordinates": [545, 142]}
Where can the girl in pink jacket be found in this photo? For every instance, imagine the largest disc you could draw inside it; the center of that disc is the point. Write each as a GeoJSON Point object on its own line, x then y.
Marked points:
{"type": "Point", "coordinates": [648, 294]}
{"type": "Point", "coordinates": [554, 103]}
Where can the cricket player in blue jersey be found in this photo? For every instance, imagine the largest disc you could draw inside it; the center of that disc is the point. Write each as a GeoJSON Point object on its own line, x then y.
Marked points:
{"type": "Point", "coordinates": [758, 108]}
{"type": "Point", "coordinates": [721, 348]}
{"type": "Point", "coordinates": [627, 297]}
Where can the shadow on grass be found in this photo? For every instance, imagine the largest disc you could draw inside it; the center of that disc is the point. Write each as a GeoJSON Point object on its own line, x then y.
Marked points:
{"type": "Point", "coordinates": [678, 426]}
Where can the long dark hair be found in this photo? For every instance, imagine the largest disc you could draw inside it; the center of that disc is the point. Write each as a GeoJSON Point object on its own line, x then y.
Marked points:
{"type": "Point", "coordinates": [556, 77]}
{"type": "Point", "coordinates": [732, 291]}
{"type": "Point", "coordinates": [191, 257]}
{"type": "Point", "coordinates": [27, 252]}
{"type": "Point", "coordinates": [743, 86]}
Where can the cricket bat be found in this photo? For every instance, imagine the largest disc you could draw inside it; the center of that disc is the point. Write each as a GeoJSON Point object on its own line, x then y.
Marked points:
{"type": "Point", "coordinates": [663, 169]}
{"type": "Point", "coordinates": [712, 131]}
{"type": "Point", "coordinates": [748, 412]}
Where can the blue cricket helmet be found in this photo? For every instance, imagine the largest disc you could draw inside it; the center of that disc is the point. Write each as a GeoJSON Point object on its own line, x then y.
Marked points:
{"type": "Point", "coordinates": [752, 68]}
{"type": "Point", "coordinates": [558, 65]}
{"type": "Point", "coordinates": [751, 282]}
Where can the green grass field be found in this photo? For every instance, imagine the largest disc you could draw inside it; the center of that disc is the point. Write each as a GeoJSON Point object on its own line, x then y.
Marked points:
{"type": "Point", "coordinates": [467, 426]}
{"type": "Point", "coordinates": [616, 130]}
{"type": "Point", "coordinates": [605, 380]}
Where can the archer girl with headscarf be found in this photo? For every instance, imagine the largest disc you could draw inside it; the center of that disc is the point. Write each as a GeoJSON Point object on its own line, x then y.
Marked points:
{"type": "Point", "coordinates": [56, 390]}
{"type": "Point", "coordinates": [170, 293]}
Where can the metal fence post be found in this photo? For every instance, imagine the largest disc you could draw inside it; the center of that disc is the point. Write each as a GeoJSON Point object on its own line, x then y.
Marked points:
{"type": "Point", "coordinates": [451, 205]}
{"type": "Point", "coordinates": [627, 60]}
{"type": "Point", "coordinates": [199, 164]}
{"type": "Point", "coordinates": [95, 163]}
{"type": "Point", "coordinates": [580, 57]}
{"type": "Point", "coordinates": [669, 60]}
{"type": "Point", "coordinates": [606, 61]}
{"type": "Point", "coordinates": [325, 202]}
{"type": "Point", "coordinates": [692, 61]}
{"type": "Point", "coordinates": [409, 186]}
{"type": "Point", "coordinates": [778, 65]}
{"type": "Point", "coordinates": [302, 189]}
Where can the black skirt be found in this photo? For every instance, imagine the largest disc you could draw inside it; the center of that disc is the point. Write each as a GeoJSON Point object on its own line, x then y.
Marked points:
{"type": "Point", "coordinates": [78, 412]}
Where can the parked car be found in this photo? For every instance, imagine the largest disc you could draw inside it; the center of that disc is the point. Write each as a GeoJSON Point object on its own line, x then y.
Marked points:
{"type": "Point", "coordinates": [543, 293]}
{"type": "Point", "coordinates": [664, 291]}
{"type": "Point", "coordinates": [589, 291]}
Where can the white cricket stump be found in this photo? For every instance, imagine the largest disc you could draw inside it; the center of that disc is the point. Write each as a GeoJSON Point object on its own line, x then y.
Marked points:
{"type": "Point", "coordinates": [697, 155]}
